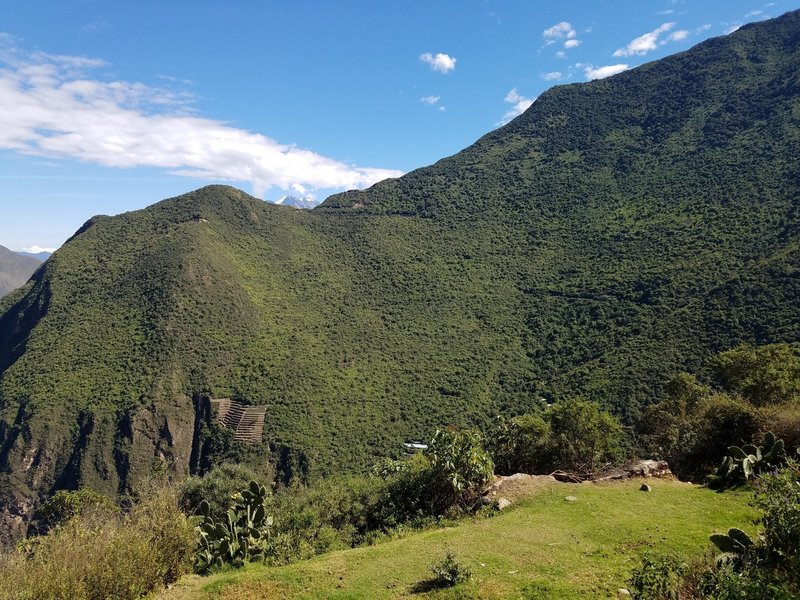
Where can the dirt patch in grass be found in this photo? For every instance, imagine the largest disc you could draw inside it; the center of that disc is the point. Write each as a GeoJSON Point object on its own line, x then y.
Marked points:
{"type": "Point", "coordinates": [519, 486]}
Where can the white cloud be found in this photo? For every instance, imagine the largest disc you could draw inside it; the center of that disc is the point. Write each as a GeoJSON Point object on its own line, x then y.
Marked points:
{"type": "Point", "coordinates": [560, 54]}
{"type": "Point", "coordinates": [429, 100]}
{"type": "Point", "coordinates": [733, 27]}
{"type": "Point", "coordinates": [50, 106]}
{"type": "Point", "coordinates": [37, 249]}
{"type": "Point", "coordinates": [602, 72]}
{"type": "Point", "coordinates": [645, 43]}
{"type": "Point", "coordinates": [442, 108]}
{"type": "Point", "coordinates": [552, 76]}
{"type": "Point", "coordinates": [754, 13]}
{"type": "Point", "coordinates": [439, 62]}
{"type": "Point", "coordinates": [559, 31]}
{"type": "Point", "coordinates": [519, 104]}
{"type": "Point", "coordinates": [677, 36]}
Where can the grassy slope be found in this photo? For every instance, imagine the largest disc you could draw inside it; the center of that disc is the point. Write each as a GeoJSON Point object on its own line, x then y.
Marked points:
{"type": "Point", "coordinates": [544, 547]}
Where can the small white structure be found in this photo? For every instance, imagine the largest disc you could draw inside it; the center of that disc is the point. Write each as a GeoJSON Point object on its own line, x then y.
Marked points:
{"type": "Point", "coordinates": [415, 446]}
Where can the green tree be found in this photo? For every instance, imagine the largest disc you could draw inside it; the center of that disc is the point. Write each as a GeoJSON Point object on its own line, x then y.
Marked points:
{"type": "Point", "coordinates": [459, 465]}
{"type": "Point", "coordinates": [520, 444]}
{"type": "Point", "coordinates": [584, 436]}
{"type": "Point", "coordinates": [767, 374]}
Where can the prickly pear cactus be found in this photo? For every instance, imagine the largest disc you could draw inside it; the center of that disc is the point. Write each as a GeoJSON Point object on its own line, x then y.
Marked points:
{"type": "Point", "coordinates": [242, 536]}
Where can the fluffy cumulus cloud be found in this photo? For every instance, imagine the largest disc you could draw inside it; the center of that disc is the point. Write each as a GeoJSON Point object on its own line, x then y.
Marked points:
{"type": "Point", "coordinates": [51, 106]}
{"type": "Point", "coordinates": [443, 63]}
{"type": "Point", "coordinates": [651, 40]}
{"type": "Point", "coordinates": [602, 72]}
{"type": "Point", "coordinates": [561, 32]}
{"type": "Point", "coordinates": [519, 104]}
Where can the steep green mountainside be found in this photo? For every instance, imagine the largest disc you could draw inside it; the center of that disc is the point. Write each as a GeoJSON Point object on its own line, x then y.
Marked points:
{"type": "Point", "coordinates": [15, 269]}
{"type": "Point", "coordinates": [615, 233]}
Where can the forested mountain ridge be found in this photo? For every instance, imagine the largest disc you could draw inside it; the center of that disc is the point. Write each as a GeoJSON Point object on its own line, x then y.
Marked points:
{"type": "Point", "coordinates": [617, 232]}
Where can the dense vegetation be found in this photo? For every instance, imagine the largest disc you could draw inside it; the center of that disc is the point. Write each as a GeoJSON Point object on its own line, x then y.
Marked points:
{"type": "Point", "coordinates": [239, 521]}
{"type": "Point", "coordinates": [618, 232]}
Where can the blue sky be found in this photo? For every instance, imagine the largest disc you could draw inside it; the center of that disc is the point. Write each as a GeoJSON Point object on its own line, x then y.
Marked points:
{"type": "Point", "coordinates": [108, 106]}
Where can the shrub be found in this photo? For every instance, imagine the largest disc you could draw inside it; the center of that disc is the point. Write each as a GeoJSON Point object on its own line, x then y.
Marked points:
{"type": "Point", "coordinates": [768, 374]}
{"type": "Point", "coordinates": [67, 504]}
{"type": "Point", "coordinates": [520, 445]}
{"type": "Point", "coordinates": [778, 498]}
{"type": "Point", "coordinates": [719, 421]}
{"type": "Point", "coordinates": [459, 467]}
{"type": "Point", "coordinates": [101, 555]}
{"type": "Point", "coordinates": [784, 422]}
{"type": "Point", "coordinates": [217, 487]}
{"type": "Point", "coordinates": [657, 578]}
{"type": "Point", "coordinates": [338, 512]}
{"type": "Point", "coordinates": [768, 567]}
{"type": "Point", "coordinates": [583, 436]}
{"type": "Point", "coordinates": [449, 572]}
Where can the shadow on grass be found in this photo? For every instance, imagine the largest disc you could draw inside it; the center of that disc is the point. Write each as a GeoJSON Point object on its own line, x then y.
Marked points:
{"type": "Point", "coordinates": [428, 585]}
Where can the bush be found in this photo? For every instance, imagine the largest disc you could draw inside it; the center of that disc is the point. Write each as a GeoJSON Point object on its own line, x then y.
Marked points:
{"type": "Point", "coordinates": [338, 512]}
{"type": "Point", "coordinates": [217, 487]}
{"type": "Point", "coordinates": [520, 445]}
{"type": "Point", "coordinates": [100, 555]}
{"type": "Point", "coordinates": [767, 374]}
{"type": "Point", "coordinates": [459, 467]}
{"type": "Point", "coordinates": [768, 567]}
{"type": "Point", "coordinates": [449, 572]}
{"type": "Point", "coordinates": [657, 578]}
{"type": "Point", "coordinates": [583, 436]}
{"type": "Point", "coordinates": [719, 421]}
{"type": "Point", "coordinates": [778, 498]}
{"type": "Point", "coordinates": [67, 504]}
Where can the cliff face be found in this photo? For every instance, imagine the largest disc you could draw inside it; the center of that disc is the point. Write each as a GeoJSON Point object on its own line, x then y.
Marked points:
{"type": "Point", "coordinates": [617, 232]}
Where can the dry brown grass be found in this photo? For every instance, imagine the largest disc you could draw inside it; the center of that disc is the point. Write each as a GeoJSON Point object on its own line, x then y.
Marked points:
{"type": "Point", "coordinates": [103, 555]}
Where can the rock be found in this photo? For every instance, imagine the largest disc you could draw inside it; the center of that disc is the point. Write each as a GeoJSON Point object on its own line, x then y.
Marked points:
{"type": "Point", "coordinates": [613, 476]}
{"type": "Point", "coordinates": [646, 488]}
{"type": "Point", "coordinates": [649, 468]}
{"type": "Point", "coordinates": [566, 477]}
{"type": "Point", "coordinates": [570, 498]}
{"type": "Point", "coordinates": [623, 593]}
{"type": "Point", "coordinates": [503, 503]}
{"type": "Point", "coordinates": [485, 501]}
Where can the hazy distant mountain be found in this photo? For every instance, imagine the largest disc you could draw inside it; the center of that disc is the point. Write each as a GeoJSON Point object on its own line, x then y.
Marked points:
{"type": "Point", "coordinates": [15, 269]}
{"type": "Point", "coordinates": [298, 202]}
{"type": "Point", "coordinates": [40, 256]}
{"type": "Point", "coordinates": [617, 232]}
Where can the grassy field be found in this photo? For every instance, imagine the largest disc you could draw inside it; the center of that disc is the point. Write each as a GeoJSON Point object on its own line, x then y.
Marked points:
{"type": "Point", "coordinates": [541, 547]}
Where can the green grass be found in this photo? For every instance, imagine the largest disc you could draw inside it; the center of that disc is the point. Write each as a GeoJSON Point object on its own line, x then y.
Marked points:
{"type": "Point", "coordinates": [543, 547]}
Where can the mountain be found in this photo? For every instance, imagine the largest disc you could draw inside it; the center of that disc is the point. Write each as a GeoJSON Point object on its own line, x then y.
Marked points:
{"type": "Point", "coordinates": [615, 233]}
{"type": "Point", "coordinates": [298, 202]}
{"type": "Point", "coordinates": [40, 256]}
{"type": "Point", "coordinates": [15, 270]}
